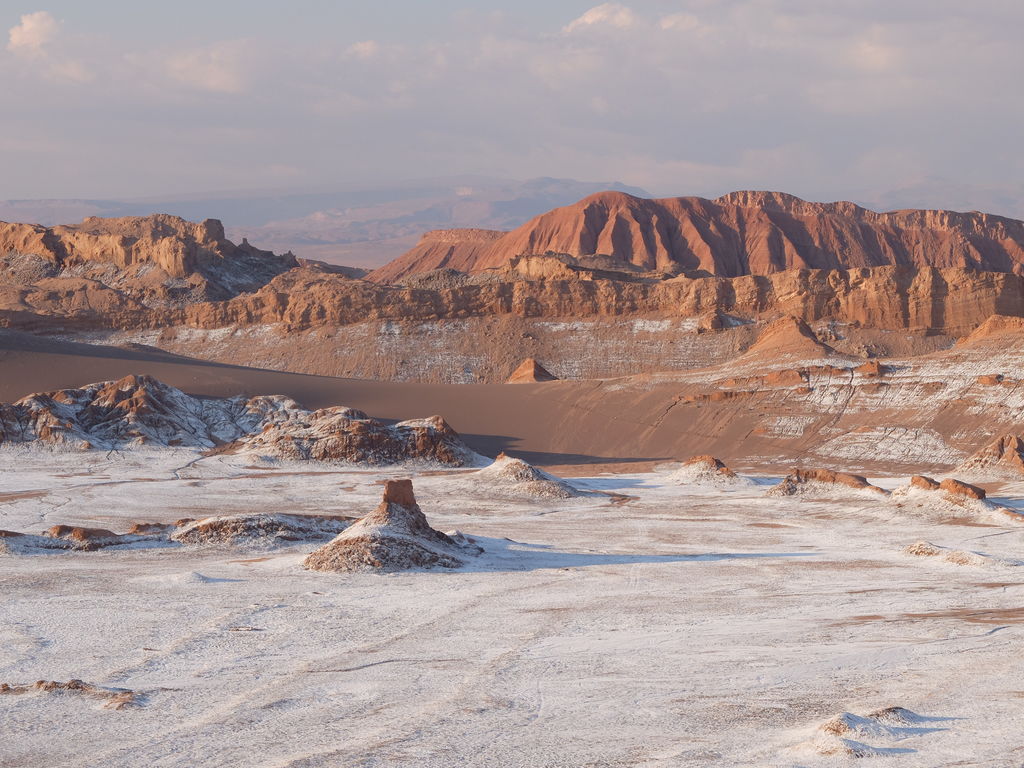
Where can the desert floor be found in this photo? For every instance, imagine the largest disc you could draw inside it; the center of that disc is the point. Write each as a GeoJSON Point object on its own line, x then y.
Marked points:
{"type": "Point", "coordinates": [667, 625]}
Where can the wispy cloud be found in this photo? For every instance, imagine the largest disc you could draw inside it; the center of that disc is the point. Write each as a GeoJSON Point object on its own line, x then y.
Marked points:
{"type": "Point", "coordinates": [604, 15]}
{"type": "Point", "coordinates": [33, 40]}
{"type": "Point", "coordinates": [695, 96]}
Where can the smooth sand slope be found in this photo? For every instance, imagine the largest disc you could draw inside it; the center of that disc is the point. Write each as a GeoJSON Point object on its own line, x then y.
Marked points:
{"type": "Point", "coordinates": [789, 400]}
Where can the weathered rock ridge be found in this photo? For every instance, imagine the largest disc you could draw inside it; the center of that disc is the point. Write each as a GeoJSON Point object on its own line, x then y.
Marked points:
{"type": "Point", "coordinates": [742, 233]}
{"type": "Point", "coordinates": [953, 301]}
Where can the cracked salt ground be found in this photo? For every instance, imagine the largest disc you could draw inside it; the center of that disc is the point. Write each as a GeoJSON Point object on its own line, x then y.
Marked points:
{"type": "Point", "coordinates": [675, 629]}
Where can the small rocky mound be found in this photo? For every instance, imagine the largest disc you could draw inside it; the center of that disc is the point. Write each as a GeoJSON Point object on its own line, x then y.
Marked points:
{"type": "Point", "coordinates": [1002, 459]}
{"type": "Point", "coordinates": [260, 530]}
{"type": "Point", "coordinates": [822, 482]}
{"type": "Point", "coordinates": [530, 371]}
{"type": "Point", "coordinates": [852, 735]}
{"type": "Point", "coordinates": [515, 477]}
{"type": "Point", "coordinates": [706, 470]}
{"type": "Point", "coordinates": [953, 556]}
{"type": "Point", "coordinates": [112, 698]}
{"type": "Point", "coordinates": [951, 499]}
{"type": "Point", "coordinates": [394, 537]}
{"type": "Point", "coordinates": [84, 538]}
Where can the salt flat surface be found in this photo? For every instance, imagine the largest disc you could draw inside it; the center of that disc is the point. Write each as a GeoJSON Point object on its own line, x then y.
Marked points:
{"type": "Point", "coordinates": [663, 626]}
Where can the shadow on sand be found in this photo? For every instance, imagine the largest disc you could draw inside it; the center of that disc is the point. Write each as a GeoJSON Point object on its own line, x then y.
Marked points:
{"type": "Point", "coordinates": [509, 555]}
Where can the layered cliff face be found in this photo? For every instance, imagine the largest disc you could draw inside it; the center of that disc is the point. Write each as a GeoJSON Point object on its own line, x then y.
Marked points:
{"type": "Point", "coordinates": [747, 233]}
{"type": "Point", "coordinates": [582, 316]}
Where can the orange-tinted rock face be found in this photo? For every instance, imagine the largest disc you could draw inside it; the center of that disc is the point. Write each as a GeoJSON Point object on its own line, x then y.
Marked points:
{"type": "Point", "coordinates": [798, 479]}
{"type": "Point", "coordinates": [959, 488]}
{"type": "Point", "coordinates": [924, 483]}
{"type": "Point", "coordinates": [750, 233]}
{"type": "Point", "coordinates": [439, 249]}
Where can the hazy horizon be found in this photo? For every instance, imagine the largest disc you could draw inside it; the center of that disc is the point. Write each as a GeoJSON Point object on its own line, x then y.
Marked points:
{"type": "Point", "coordinates": [890, 106]}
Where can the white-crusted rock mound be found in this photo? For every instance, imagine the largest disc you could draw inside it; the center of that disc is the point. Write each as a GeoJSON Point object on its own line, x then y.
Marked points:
{"type": "Point", "coordinates": [394, 537]}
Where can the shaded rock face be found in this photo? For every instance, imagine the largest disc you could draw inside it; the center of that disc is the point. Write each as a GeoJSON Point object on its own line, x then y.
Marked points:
{"type": "Point", "coordinates": [394, 537]}
{"type": "Point", "coordinates": [1002, 458]}
{"type": "Point", "coordinates": [744, 233]}
{"type": "Point", "coordinates": [530, 371]}
{"type": "Point", "coordinates": [809, 481]}
{"type": "Point", "coordinates": [139, 410]}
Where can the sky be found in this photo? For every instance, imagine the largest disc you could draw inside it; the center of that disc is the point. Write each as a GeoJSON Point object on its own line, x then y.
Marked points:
{"type": "Point", "coordinates": [827, 99]}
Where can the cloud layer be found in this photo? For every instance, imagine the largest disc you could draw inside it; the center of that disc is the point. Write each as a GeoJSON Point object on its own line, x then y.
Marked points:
{"type": "Point", "coordinates": [827, 100]}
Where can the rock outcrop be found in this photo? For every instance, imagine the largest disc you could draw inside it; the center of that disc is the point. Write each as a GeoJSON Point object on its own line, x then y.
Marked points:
{"type": "Point", "coordinates": [706, 470]}
{"type": "Point", "coordinates": [823, 483]}
{"type": "Point", "coordinates": [1002, 459]}
{"type": "Point", "coordinates": [259, 530]}
{"type": "Point", "coordinates": [140, 411]}
{"type": "Point", "coordinates": [394, 537]}
{"type": "Point", "coordinates": [509, 476]}
{"type": "Point", "coordinates": [529, 372]}
{"type": "Point", "coordinates": [951, 500]}
{"type": "Point", "coordinates": [71, 538]}
{"type": "Point", "coordinates": [159, 259]}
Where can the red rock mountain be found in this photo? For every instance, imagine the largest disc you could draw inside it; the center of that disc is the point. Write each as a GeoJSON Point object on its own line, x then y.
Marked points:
{"type": "Point", "coordinates": [742, 233]}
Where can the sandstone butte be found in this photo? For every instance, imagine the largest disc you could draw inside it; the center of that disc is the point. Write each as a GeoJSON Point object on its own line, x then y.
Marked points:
{"type": "Point", "coordinates": [742, 233]}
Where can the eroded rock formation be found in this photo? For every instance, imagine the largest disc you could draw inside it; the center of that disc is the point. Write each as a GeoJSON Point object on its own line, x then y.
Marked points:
{"type": "Point", "coordinates": [509, 476]}
{"type": "Point", "coordinates": [823, 482]}
{"type": "Point", "coordinates": [746, 233]}
{"type": "Point", "coordinates": [139, 411]}
{"type": "Point", "coordinates": [394, 537]}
